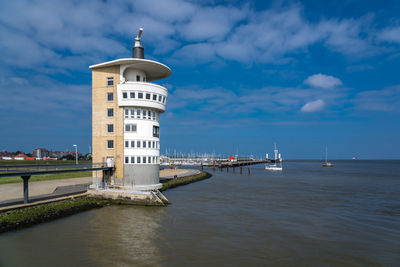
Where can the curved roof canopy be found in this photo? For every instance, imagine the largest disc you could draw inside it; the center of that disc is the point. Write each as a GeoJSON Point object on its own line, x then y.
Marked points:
{"type": "Point", "coordinates": [153, 69]}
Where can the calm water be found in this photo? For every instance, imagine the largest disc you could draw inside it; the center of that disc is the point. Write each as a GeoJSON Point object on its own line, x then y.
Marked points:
{"type": "Point", "coordinates": [305, 216]}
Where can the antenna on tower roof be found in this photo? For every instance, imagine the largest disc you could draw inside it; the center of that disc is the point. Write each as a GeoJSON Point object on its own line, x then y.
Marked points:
{"type": "Point", "coordinates": [137, 49]}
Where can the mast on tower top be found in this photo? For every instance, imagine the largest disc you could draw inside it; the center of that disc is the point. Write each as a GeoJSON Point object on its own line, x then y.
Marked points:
{"type": "Point", "coordinates": [137, 49]}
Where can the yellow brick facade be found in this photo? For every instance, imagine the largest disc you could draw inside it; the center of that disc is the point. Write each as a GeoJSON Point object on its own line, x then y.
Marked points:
{"type": "Point", "coordinates": [100, 121]}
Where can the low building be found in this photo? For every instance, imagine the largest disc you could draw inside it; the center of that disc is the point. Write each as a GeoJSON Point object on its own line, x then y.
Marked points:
{"type": "Point", "coordinates": [40, 153]}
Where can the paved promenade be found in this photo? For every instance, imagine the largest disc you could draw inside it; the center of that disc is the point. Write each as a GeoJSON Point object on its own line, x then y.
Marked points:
{"type": "Point", "coordinates": [13, 193]}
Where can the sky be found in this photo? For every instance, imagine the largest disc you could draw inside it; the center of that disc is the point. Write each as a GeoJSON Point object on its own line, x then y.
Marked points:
{"type": "Point", "coordinates": [245, 75]}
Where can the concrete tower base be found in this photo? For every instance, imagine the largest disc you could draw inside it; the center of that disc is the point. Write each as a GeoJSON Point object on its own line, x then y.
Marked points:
{"type": "Point", "coordinates": [153, 198]}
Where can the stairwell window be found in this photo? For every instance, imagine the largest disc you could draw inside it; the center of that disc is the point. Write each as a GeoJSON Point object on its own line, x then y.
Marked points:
{"type": "Point", "coordinates": [110, 81]}
{"type": "Point", "coordinates": [110, 144]}
{"type": "Point", "coordinates": [110, 112]}
{"type": "Point", "coordinates": [110, 128]}
{"type": "Point", "coordinates": [110, 97]}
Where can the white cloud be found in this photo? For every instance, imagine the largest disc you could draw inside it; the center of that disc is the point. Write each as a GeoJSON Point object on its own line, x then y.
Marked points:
{"type": "Point", "coordinates": [323, 81]}
{"type": "Point", "coordinates": [313, 106]}
{"type": "Point", "coordinates": [390, 35]}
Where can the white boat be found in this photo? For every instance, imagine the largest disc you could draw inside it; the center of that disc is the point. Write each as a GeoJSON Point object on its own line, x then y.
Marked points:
{"type": "Point", "coordinates": [275, 167]}
{"type": "Point", "coordinates": [327, 164]}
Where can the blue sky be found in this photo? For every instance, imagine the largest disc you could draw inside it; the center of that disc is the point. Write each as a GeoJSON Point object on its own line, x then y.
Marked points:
{"type": "Point", "coordinates": [303, 74]}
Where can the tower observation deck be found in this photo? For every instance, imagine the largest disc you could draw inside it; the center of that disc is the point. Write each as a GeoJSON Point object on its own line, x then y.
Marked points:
{"type": "Point", "coordinates": [126, 109]}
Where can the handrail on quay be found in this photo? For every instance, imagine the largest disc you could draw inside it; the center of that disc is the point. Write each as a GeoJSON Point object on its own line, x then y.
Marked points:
{"type": "Point", "coordinates": [26, 171]}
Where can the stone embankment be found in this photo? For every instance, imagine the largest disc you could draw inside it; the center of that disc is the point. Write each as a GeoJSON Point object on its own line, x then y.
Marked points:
{"type": "Point", "coordinates": [34, 213]}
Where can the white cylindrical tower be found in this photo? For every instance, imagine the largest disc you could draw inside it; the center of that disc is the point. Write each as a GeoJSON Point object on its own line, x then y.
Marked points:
{"type": "Point", "coordinates": [137, 130]}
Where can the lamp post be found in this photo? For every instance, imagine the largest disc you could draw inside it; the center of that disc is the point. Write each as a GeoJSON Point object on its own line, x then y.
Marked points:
{"type": "Point", "coordinates": [76, 154]}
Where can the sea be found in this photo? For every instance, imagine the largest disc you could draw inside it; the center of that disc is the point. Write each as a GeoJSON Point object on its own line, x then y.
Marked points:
{"type": "Point", "coordinates": [305, 215]}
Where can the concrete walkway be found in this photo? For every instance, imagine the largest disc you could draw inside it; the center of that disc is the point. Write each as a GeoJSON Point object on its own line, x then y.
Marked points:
{"type": "Point", "coordinates": [11, 194]}
{"type": "Point", "coordinates": [15, 190]}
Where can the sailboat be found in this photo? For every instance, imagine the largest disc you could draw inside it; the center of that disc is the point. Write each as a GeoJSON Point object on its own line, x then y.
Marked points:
{"type": "Point", "coordinates": [275, 167]}
{"type": "Point", "coordinates": [327, 164]}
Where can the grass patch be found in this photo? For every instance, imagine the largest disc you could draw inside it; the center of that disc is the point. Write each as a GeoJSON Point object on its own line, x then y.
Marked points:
{"type": "Point", "coordinates": [46, 177]}
{"type": "Point", "coordinates": [185, 180]}
{"type": "Point", "coordinates": [21, 218]}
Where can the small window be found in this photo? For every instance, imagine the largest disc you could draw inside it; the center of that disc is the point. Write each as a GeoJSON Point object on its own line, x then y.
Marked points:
{"type": "Point", "coordinates": [138, 159]}
{"type": "Point", "coordinates": [132, 94]}
{"type": "Point", "coordinates": [149, 159]}
{"type": "Point", "coordinates": [124, 95]}
{"type": "Point", "coordinates": [163, 99]}
{"type": "Point", "coordinates": [132, 144]}
{"type": "Point", "coordinates": [110, 144]}
{"type": "Point", "coordinates": [132, 113]}
{"type": "Point", "coordinates": [144, 159]}
{"type": "Point", "coordinates": [110, 81]}
{"type": "Point", "coordinates": [126, 159]}
{"type": "Point", "coordinates": [110, 128]}
{"type": "Point", "coordinates": [159, 98]}
{"type": "Point", "coordinates": [138, 145]}
{"type": "Point", "coordinates": [126, 113]}
{"type": "Point", "coordinates": [148, 96]}
{"type": "Point", "coordinates": [154, 144]}
{"type": "Point", "coordinates": [154, 97]}
{"type": "Point", "coordinates": [154, 159]}
{"type": "Point", "coordinates": [110, 96]}
{"type": "Point", "coordinates": [140, 95]}
{"type": "Point", "coordinates": [130, 127]}
{"type": "Point", "coordinates": [154, 116]}
{"type": "Point", "coordinates": [138, 114]}
{"type": "Point", "coordinates": [126, 144]}
{"type": "Point", "coordinates": [149, 115]}
{"type": "Point", "coordinates": [144, 144]}
{"type": "Point", "coordinates": [110, 112]}
{"type": "Point", "coordinates": [132, 159]}
{"type": "Point", "coordinates": [149, 144]}
{"type": "Point", "coordinates": [144, 114]}
{"type": "Point", "coordinates": [138, 78]}
{"type": "Point", "coordinates": [156, 131]}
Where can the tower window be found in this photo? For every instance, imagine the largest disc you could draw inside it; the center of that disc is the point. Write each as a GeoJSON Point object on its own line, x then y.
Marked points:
{"type": "Point", "coordinates": [126, 159]}
{"type": "Point", "coordinates": [125, 95]}
{"type": "Point", "coordinates": [154, 97]}
{"type": "Point", "coordinates": [110, 112]}
{"type": "Point", "coordinates": [132, 94]}
{"type": "Point", "coordinates": [156, 131]}
{"type": "Point", "coordinates": [110, 81]}
{"type": "Point", "coordinates": [148, 96]}
{"type": "Point", "coordinates": [132, 144]}
{"type": "Point", "coordinates": [138, 78]}
{"type": "Point", "coordinates": [110, 96]}
{"type": "Point", "coordinates": [138, 159]}
{"type": "Point", "coordinates": [132, 159]}
{"type": "Point", "coordinates": [130, 127]}
{"type": "Point", "coordinates": [126, 113]}
{"type": "Point", "coordinates": [144, 145]}
{"type": "Point", "coordinates": [126, 144]}
{"type": "Point", "coordinates": [144, 114]}
{"type": "Point", "coordinates": [159, 98]}
{"type": "Point", "coordinates": [132, 113]}
{"type": "Point", "coordinates": [149, 159]}
{"type": "Point", "coordinates": [144, 159]}
{"type": "Point", "coordinates": [140, 95]}
{"type": "Point", "coordinates": [138, 145]}
{"type": "Point", "coordinates": [110, 128]}
{"type": "Point", "coordinates": [110, 144]}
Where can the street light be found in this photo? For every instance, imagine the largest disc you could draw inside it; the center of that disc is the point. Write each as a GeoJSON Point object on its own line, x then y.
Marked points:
{"type": "Point", "coordinates": [76, 154]}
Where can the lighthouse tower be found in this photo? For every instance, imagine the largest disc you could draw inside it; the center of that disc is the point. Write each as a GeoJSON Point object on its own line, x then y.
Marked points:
{"type": "Point", "coordinates": [126, 110]}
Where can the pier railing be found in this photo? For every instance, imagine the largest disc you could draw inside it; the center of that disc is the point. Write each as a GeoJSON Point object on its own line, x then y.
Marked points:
{"type": "Point", "coordinates": [26, 171]}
